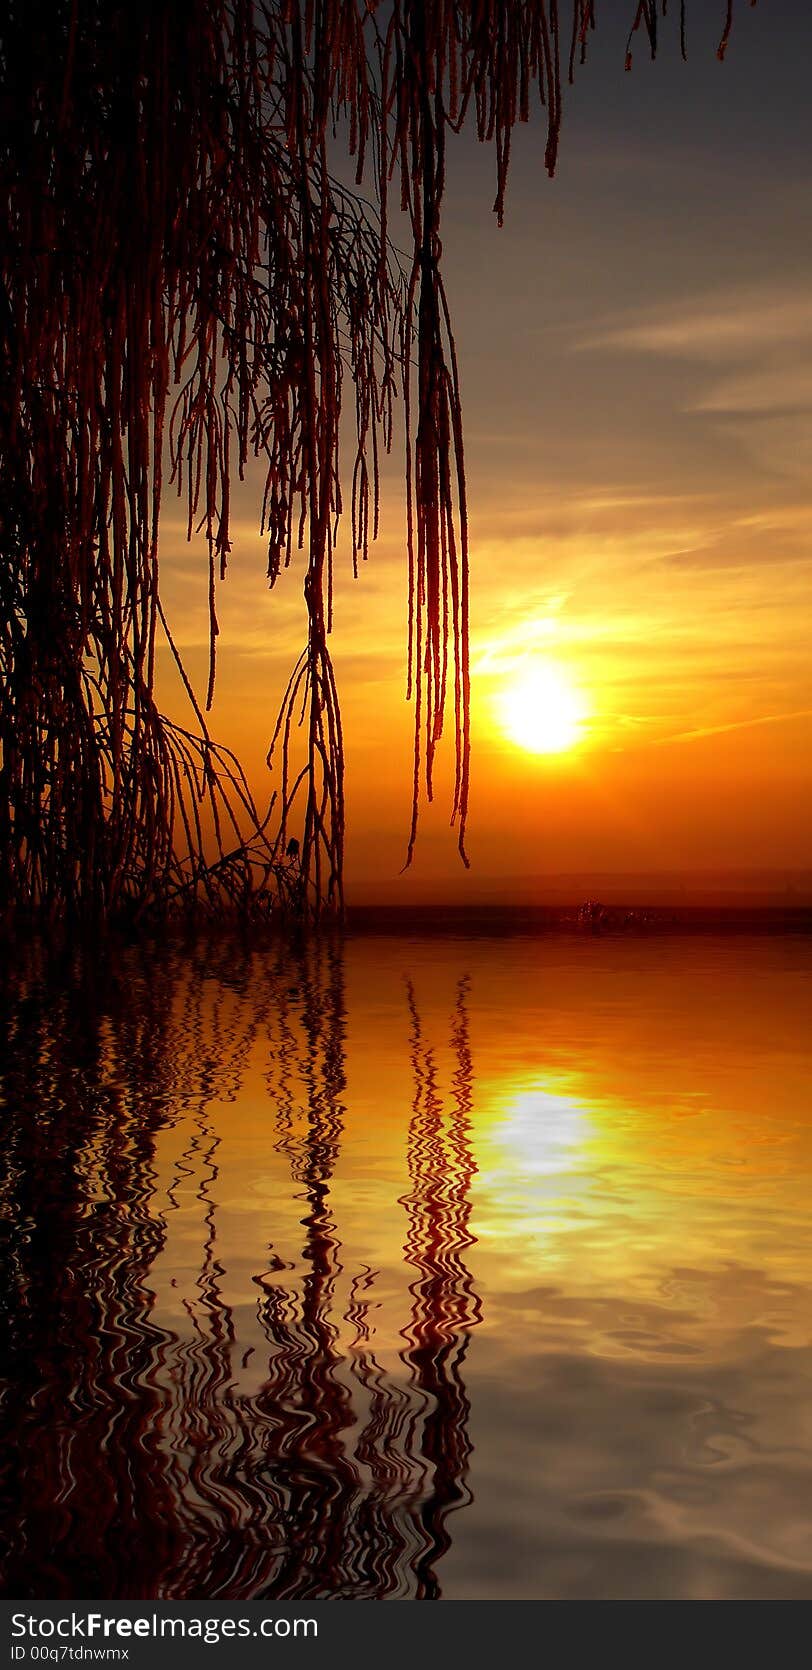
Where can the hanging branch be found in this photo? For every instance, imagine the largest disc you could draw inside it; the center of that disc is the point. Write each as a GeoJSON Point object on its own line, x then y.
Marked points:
{"type": "Point", "coordinates": [183, 283]}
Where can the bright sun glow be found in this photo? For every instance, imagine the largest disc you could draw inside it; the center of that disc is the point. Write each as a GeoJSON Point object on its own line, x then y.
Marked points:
{"type": "Point", "coordinates": [540, 711]}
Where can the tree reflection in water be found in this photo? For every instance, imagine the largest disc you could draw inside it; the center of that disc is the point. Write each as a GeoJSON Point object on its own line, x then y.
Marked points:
{"type": "Point", "coordinates": [138, 1467]}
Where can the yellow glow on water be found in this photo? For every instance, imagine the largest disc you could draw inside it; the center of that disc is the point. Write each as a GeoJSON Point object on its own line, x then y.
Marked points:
{"type": "Point", "coordinates": [518, 1223]}
{"type": "Point", "coordinates": [597, 1144]}
{"type": "Point", "coordinates": [543, 1132]}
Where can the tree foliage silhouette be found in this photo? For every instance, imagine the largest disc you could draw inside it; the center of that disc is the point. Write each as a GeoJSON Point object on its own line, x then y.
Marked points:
{"type": "Point", "coordinates": [185, 285]}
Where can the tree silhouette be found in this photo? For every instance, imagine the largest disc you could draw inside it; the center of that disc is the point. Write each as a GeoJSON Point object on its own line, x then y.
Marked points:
{"type": "Point", "coordinates": [186, 283]}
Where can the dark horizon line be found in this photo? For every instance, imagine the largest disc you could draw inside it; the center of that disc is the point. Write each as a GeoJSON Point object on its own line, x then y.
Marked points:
{"type": "Point", "coordinates": [618, 917]}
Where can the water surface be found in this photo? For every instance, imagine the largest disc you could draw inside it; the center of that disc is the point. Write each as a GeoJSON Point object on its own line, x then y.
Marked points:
{"type": "Point", "coordinates": [430, 1267]}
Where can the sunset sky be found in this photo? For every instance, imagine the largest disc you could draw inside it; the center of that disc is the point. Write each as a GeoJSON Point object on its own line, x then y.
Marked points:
{"type": "Point", "coordinates": [636, 356]}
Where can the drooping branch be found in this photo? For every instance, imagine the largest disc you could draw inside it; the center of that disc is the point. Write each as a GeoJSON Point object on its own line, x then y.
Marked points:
{"type": "Point", "coordinates": [184, 282]}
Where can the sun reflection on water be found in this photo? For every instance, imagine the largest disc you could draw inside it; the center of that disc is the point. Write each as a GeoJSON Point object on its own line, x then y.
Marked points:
{"type": "Point", "coordinates": [482, 1252]}
{"type": "Point", "coordinates": [543, 1131]}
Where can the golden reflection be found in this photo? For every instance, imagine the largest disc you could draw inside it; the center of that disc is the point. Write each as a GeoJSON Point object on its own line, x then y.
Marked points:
{"type": "Point", "coordinates": [543, 1132]}
{"type": "Point", "coordinates": [375, 1260]}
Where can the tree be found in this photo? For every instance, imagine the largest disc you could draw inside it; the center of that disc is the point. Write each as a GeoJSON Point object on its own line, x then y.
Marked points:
{"type": "Point", "coordinates": [184, 279]}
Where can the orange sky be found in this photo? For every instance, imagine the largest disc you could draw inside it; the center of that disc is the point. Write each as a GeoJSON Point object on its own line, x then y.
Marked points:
{"type": "Point", "coordinates": [636, 357]}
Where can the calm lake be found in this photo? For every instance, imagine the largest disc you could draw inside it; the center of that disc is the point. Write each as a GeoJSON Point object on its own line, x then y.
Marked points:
{"type": "Point", "coordinates": [410, 1267]}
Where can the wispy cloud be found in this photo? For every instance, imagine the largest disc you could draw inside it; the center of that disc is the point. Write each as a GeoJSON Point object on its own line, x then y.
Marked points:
{"type": "Point", "coordinates": [742, 364]}
{"type": "Point", "coordinates": [716, 327]}
{"type": "Point", "coordinates": [733, 725]}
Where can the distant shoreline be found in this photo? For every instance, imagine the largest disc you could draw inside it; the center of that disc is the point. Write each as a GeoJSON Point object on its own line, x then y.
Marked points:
{"type": "Point", "coordinates": [613, 922]}
{"type": "Point", "coordinates": [618, 920]}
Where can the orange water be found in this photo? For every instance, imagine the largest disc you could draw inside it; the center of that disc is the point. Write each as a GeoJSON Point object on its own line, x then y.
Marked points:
{"type": "Point", "coordinates": [413, 1267]}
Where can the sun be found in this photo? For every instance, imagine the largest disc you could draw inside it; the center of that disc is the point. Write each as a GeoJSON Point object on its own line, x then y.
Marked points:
{"type": "Point", "coordinates": [541, 711]}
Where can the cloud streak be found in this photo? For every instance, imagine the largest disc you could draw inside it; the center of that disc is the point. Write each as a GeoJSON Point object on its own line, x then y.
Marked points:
{"type": "Point", "coordinates": [716, 327]}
